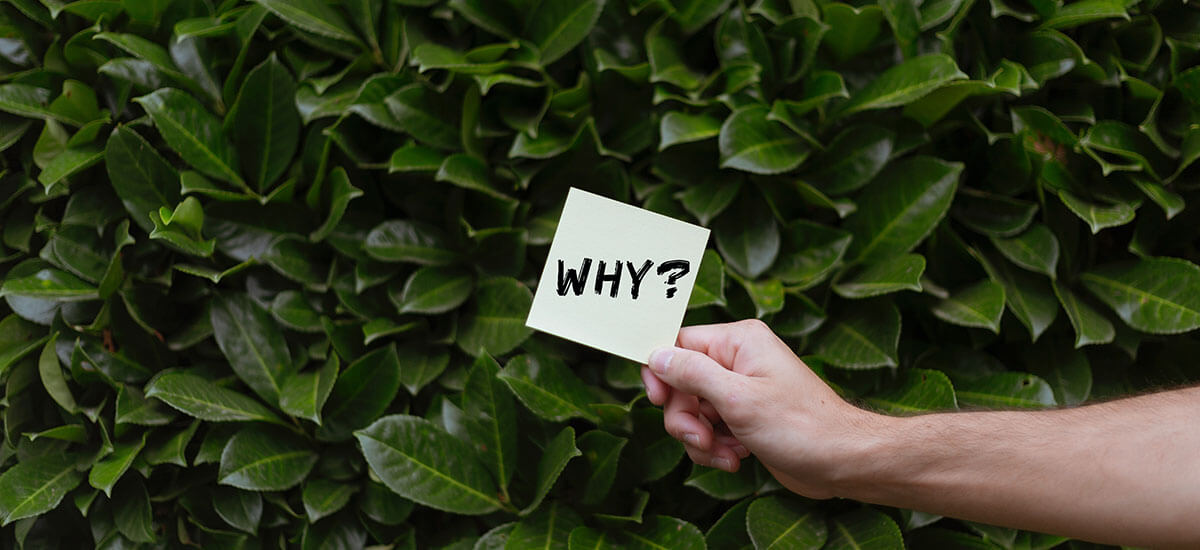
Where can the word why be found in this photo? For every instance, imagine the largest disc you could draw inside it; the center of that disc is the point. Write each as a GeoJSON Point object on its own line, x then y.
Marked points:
{"type": "Point", "coordinates": [572, 280]}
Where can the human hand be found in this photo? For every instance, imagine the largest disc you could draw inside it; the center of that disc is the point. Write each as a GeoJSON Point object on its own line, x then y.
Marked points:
{"type": "Point", "coordinates": [734, 389]}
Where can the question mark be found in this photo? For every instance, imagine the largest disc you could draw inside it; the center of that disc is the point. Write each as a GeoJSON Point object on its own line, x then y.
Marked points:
{"type": "Point", "coordinates": [680, 268]}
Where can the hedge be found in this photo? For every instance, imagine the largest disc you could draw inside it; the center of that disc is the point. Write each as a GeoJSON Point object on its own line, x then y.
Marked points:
{"type": "Point", "coordinates": [266, 264]}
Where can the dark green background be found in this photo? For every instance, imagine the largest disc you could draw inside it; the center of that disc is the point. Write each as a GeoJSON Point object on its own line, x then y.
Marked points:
{"type": "Point", "coordinates": [266, 264]}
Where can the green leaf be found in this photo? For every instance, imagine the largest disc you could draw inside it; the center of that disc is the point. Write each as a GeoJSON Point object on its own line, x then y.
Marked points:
{"type": "Point", "coordinates": [18, 338]}
{"type": "Point", "coordinates": [656, 533]}
{"type": "Point", "coordinates": [1171, 202]}
{"type": "Point", "coordinates": [548, 388]}
{"type": "Point", "coordinates": [422, 463]}
{"type": "Point", "coordinates": [68, 163]}
{"type": "Point", "coordinates": [467, 172]}
{"type": "Point", "coordinates": [265, 459]}
{"type": "Point", "coordinates": [903, 84]}
{"type": "Point", "coordinates": [435, 290]}
{"type": "Point", "coordinates": [408, 241]}
{"type": "Point", "coordinates": [264, 124]}
{"type": "Point", "coordinates": [292, 309]}
{"type": "Point", "coordinates": [918, 390]}
{"type": "Point", "coordinates": [723, 485]}
{"type": "Point", "coordinates": [899, 273]}
{"type": "Point", "coordinates": [194, 133]}
{"type": "Point", "coordinates": [692, 15]}
{"type": "Point", "coordinates": [422, 364]}
{"type": "Point", "coordinates": [1066, 369]}
{"type": "Point", "coordinates": [852, 30]}
{"type": "Point", "coordinates": [1082, 12]}
{"type": "Point", "coordinates": [707, 200]}
{"type": "Point", "coordinates": [424, 115]}
{"type": "Point", "coordinates": [979, 305]}
{"type": "Point", "coordinates": [864, 336]}
{"type": "Point", "coordinates": [253, 344]}
{"type": "Point", "coordinates": [863, 529]}
{"type": "Point", "coordinates": [106, 473]}
{"type": "Point", "coordinates": [1090, 326]}
{"type": "Point", "coordinates": [1006, 390]}
{"type": "Point", "coordinates": [171, 450]}
{"type": "Point", "coordinates": [752, 143]}
{"type": "Point", "coordinates": [993, 215]}
{"type": "Point", "coordinates": [131, 510]}
{"type": "Point", "coordinates": [303, 395]}
{"type": "Point", "coordinates": [53, 379]}
{"type": "Point", "coordinates": [313, 16]}
{"type": "Point", "coordinates": [549, 528]}
{"type": "Point", "coordinates": [491, 419]}
{"type": "Point", "coordinates": [813, 250]}
{"type": "Point", "coordinates": [602, 451]}
{"type": "Point", "coordinates": [1097, 216]}
{"type": "Point", "coordinates": [494, 322]}
{"type": "Point", "coordinates": [415, 158]}
{"type": "Point", "coordinates": [854, 157]}
{"type": "Point", "coordinates": [557, 27]}
{"type": "Point", "coordinates": [748, 237]}
{"type": "Point", "coordinates": [1157, 295]}
{"type": "Point", "coordinates": [555, 456]}
{"type": "Point", "coordinates": [709, 288]}
{"type": "Point", "coordinates": [362, 393]}
{"type": "Point", "coordinates": [49, 284]}
{"type": "Point", "coordinates": [142, 179]}
{"type": "Point", "coordinates": [323, 497]}
{"type": "Point", "coordinates": [197, 397]}
{"type": "Point", "coordinates": [677, 127]}
{"type": "Point", "coordinates": [1035, 249]}
{"type": "Point", "coordinates": [779, 523]}
{"type": "Point", "coordinates": [1028, 297]}
{"type": "Point", "coordinates": [242, 510]}
{"type": "Point", "coordinates": [36, 485]}
{"type": "Point", "coordinates": [901, 207]}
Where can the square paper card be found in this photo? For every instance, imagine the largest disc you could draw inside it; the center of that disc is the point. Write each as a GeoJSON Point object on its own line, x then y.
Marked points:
{"type": "Point", "coordinates": [618, 278]}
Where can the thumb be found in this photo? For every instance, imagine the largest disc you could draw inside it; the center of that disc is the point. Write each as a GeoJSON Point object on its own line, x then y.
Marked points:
{"type": "Point", "coordinates": [693, 372]}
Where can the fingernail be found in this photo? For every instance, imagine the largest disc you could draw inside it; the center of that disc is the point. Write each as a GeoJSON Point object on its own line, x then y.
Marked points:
{"type": "Point", "coordinates": [660, 359]}
{"type": "Point", "coordinates": [722, 463]}
{"type": "Point", "coordinates": [691, 439]}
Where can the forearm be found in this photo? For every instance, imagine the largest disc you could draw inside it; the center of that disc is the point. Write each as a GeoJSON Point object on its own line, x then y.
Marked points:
{"type": "Point", "coordinates": [1125, 472]}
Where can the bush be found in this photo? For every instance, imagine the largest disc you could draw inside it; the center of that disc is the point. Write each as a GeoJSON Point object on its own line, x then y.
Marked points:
{"type": "Point", "coordinates": [266, 264]}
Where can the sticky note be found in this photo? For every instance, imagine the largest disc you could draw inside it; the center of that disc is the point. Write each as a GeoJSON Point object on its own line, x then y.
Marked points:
{"type": "Point", "coordinates": [618, 277]}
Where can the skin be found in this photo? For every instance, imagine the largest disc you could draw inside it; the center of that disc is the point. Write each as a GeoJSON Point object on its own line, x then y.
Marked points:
{"type": "Point", "coordinates": [1124, 472]}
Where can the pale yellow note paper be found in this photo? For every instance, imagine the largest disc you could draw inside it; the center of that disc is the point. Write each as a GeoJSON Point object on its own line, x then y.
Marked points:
{"type": "Point", "coordinates": [618, 278]}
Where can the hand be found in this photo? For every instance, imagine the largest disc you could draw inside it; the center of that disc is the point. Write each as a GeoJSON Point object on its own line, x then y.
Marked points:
{"type": "Point", "coordinates": [734, 389]}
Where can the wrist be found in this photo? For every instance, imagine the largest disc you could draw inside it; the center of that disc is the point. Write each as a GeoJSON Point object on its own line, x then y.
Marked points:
{"type": "Point", "coordinates": [867, 457]}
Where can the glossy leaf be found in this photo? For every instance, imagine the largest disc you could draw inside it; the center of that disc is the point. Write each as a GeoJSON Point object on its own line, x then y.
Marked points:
{"type": "Point", "coordinates": [194, 133]}
{"type": "Point", "coordinates": [913, 196]}
{"type": "Point", "coordinates": [264, 124]}
{"type": "Point", "coordinates": [1035, 249]}
{"type": "Point", "coordinates": [253, 344]}
{"type": "Point", "coordinates": [35, 486]}
{"type": "Point", "coordinates": [548, 388]}
{"type": "Point", "coordinates": [197, 397]}
{"type": "Point", "coordinates": [752, 143]}
{"type": "Point", "coordinates": [904, 83]}
{"type": "Point", "coordinates": [900, 273]}
{"type": "Point", "coordinates": [1153, 295]}
{"type": "Point", "coordinates": [865, 336]}
{"type": "Point", "coordinates": [979, 305]}
{"type": "Point", "coordinates": [494, 322]}
{"type": "Point", "coordinates": [863, 529]}
{"type": "Point", "coordinates": [262, 459]}
{"type": "Point", "coordinates": [362, 393]}
{"type": "Point", "coordinates": [425, 464]}
{"type": "Point", "coordinates": [779, 523]}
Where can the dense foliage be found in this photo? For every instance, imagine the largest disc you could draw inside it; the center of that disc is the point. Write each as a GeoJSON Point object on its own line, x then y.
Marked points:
{"type": "Point", "coordinates": [266, 264]}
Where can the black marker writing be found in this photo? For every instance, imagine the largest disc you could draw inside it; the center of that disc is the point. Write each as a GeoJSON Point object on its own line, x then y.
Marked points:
{"type": "Point", "coordinates": [637, 276]}
{"type": "Point", "coordinates": [680, 268]}
{"type": "Point", "coordinates": [615, 278]}
{"type": "Point", "coordinates": [571, 280]}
